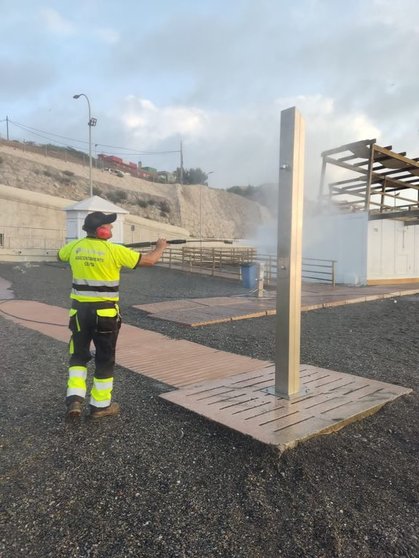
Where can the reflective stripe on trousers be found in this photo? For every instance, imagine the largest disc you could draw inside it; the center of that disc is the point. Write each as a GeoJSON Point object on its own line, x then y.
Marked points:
{"type": "Point", "coordinates": [76, 384]}
{"type": "Point", "coordinates": [101, 393]}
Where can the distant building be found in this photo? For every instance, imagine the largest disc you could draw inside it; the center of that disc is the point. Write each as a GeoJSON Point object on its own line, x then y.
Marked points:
{"type": "Point", "coordinates": [116, 163]}
{"type": "Point", "coordinates": [166, 177]}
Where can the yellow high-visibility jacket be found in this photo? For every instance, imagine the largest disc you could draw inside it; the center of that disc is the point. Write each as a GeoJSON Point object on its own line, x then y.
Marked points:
{"type": "Point", "coordinates": [96, 266]}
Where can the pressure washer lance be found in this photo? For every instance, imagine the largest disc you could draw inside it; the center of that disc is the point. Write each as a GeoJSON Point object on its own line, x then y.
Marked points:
{"type": "Point", "coordinates": [176, 241]}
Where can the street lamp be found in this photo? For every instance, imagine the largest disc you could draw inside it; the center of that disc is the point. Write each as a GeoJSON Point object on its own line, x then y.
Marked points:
{"type": "Point", "coordinates": [92, 122]}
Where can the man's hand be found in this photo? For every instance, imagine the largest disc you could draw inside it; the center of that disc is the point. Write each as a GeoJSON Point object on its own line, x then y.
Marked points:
{"type": "Point", "coordinates": [161, 244]}
{"type": "Point", "coordinates": [151, 258]}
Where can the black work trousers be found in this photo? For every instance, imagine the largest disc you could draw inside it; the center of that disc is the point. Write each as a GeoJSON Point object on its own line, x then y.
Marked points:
{"type": "Point", "coordinates": [87, 325]}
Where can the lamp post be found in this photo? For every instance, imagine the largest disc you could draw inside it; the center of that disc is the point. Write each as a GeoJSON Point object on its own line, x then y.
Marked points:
{"type": "Point", "coordinates": [92, 122]}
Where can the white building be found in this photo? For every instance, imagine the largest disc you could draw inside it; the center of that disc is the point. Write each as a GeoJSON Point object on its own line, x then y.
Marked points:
{"type": "Point", "coordinates": [368, 221]}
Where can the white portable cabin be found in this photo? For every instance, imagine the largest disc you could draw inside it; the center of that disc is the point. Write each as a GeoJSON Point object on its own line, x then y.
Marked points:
{"type": "Point", "coordinates": [76, 214]}
{"type": "Point", "coordinates": [365, 251]}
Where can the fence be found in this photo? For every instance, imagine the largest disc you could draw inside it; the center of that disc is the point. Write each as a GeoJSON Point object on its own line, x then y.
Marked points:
{"type": "Point", "coordinates": [227, 262]}
{"type": "Point", "coordinates": [313, 269]}
{"type": "Point", "coordinates": [48, 150]}
{"type": "Point", "coordinates": [217, 261]}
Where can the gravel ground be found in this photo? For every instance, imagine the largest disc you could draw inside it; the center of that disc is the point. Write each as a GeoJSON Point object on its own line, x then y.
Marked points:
{"type": "Point", "coordinates": [160, 482]}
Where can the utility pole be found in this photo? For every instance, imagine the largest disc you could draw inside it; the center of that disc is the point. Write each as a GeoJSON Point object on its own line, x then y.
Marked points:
{"type": "Point", "coordinates": [181, 163]}
{"type": "Point", "coordinates": [7, 128]}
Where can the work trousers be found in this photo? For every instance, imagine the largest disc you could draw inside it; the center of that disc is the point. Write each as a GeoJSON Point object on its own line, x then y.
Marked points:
{"type": "Point", "coordinates": [98, 322]}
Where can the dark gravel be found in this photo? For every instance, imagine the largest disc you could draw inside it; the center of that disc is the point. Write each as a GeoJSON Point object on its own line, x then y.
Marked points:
{"type": "Point", "coordinates": [162, 482]}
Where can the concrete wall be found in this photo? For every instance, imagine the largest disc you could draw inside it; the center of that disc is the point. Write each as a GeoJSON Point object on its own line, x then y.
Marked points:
{"type": "Point", "coordinates": [393, 251]}
{"type": "Point", "coordinates": [33, 226]}
{"type": "Point", "coordinates": [340, 237]}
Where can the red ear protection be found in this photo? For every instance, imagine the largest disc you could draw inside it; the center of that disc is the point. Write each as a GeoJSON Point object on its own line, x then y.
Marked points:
{"type": "Point", "coordinates": [103, 233]}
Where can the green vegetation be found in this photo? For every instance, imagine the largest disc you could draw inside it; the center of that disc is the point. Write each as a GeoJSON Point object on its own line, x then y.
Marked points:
{"type": "Point", "coordinates": [245, 191]}
{"type": "Point", "coordinates": [116, 196]}
{"type": "Point", "coordinates": [192, 176]}
{"type": "Point", "coordinates": [164, 207]}
{"type": "Point", "coordinates": [64, 180]}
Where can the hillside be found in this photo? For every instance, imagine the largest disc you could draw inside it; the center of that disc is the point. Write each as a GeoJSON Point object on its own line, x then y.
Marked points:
{"type": "Point", "coordinates": [267, 196]}
{"type": "Point", "coordinates": [202, 210]}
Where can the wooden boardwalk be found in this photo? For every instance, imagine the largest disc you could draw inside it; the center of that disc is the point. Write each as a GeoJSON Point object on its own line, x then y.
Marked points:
{"type": "Point", "coordinates": [225, 387]}
{"type": "Point", "coordinates": [205, 311]}
{"type": "Point", "coordinates": [175, 362]}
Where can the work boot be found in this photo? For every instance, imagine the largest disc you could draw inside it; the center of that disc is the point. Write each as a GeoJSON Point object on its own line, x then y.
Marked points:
{"type": "Point", "coordinates": [73, 411]}
{"type": "Point", "coordinates": [111, 411]}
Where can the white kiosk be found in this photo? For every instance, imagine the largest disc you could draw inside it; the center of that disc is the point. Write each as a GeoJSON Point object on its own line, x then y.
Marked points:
{"type": "Point", "coordinates": [77, 212]}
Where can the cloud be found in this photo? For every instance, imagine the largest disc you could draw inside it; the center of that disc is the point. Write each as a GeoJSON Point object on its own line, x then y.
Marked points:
{"type": "Point", "coordinates": [56, 23]}
{"type": "Point", "coordinates": [21, 79]}
{"type": "Point", "coordinates": [219, 78]}
{"type": "Point", "coordinates": [63, 27]}
{"type": "Point", "coordinates": [149, 123]}
{"type": "Point", "coordinates": [241, 147]}
{"type": "Point", "coordinates": [107, 35]}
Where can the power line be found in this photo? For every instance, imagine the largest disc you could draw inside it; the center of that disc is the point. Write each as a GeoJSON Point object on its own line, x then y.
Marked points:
{"type": "Point", "coordinates": [26, 129]}
{"type": "Point", "coordinates": [37, 132]}
{"type": "Point", "coordinates": [30, 129]}
{"type": "Point", "coordinates": [138, 152]}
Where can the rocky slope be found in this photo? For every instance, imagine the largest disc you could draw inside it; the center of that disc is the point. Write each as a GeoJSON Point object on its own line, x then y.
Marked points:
{"type": "Point", "coordinates": [204, 211]}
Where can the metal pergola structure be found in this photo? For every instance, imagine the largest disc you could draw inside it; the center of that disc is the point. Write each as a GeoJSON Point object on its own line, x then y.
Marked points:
{"type": "Point", "coordinates": [380, 181]}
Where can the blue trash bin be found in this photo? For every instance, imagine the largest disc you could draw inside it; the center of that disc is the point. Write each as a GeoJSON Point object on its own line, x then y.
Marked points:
{"type": "Point", "coordinates": [249, 275]}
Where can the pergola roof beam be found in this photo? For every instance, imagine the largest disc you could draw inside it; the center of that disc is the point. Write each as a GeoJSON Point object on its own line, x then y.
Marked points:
{"type": "Point", "coordinates": [379, 176]}
{"type": "Point", "coordinates": [393, 155]}
{"type": "Point", "coordinates": [348, 147]}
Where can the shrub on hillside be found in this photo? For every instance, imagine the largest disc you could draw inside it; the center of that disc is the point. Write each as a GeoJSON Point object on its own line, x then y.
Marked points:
{"type": "Point", "coordinates": [64, 180]}
{"type": "Point", "coordinates": [116, 196]}
{"type": "Point", "coordinates": [164, 207]}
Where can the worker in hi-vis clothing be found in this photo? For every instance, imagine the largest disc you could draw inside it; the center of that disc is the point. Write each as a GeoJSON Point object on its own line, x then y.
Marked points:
{"type": "Point", "coordinates": [94, 314]}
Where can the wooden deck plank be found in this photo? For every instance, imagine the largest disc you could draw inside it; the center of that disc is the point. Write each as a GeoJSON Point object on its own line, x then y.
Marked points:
{"type": "Point", "coordinates": [334, 399]}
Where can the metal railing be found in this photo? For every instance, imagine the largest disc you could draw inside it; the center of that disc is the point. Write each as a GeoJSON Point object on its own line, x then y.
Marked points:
{"type": "Point", "coordinates": [227, 262]}
{"type": "Point", "coordinates": [312, 269]}
{"type": "Point", "coordinates": [214, 261]}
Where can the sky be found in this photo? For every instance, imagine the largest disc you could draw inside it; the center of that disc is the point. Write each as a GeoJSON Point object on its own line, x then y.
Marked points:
{"type": "Point", "coordinates": [212, 74]}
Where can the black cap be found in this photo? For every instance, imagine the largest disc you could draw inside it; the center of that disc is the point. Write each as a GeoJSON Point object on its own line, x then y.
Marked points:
{"type": "Point", "coordinates": [97, 219]}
